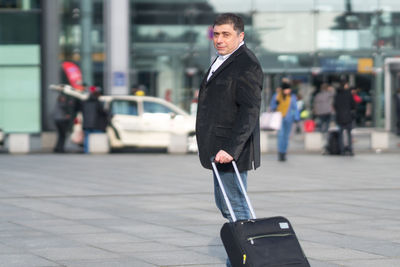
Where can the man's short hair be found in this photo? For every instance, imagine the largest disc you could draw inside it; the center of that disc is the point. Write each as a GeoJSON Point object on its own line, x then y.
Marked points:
{"type": "Point", "coordinates": [230, 18]}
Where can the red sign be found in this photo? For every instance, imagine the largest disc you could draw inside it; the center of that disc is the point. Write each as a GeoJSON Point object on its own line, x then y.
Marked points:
{"type": "Point", "coordinates": [74, 75]}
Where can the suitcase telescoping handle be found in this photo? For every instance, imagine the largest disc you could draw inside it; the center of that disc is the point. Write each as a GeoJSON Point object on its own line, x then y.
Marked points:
{"type": "Point", "coordinates": [221, 185]}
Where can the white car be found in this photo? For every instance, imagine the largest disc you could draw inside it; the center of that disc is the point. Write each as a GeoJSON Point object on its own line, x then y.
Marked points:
{"type": "Point", "coordinates": [147, 122]}
{"type": "Point", "coordinates": [140, 121]}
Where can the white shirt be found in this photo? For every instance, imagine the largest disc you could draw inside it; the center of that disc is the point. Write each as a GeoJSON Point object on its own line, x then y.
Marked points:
{"type": "Point", "coordinates": [220, 60]}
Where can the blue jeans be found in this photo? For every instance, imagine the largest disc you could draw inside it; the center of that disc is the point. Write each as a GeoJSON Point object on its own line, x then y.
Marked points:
{"type": "Point", "coordinates": [283, 135]}
{"type": "Point", "coordinates": [235, 195]}
{"type": "Point", "coordinates": [86, 140]}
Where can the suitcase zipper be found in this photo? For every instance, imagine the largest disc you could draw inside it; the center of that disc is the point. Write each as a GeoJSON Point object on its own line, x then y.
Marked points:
{"type": "Point", "coordinates": [251, 239]}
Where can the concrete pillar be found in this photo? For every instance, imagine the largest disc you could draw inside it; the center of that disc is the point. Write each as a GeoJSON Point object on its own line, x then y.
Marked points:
{"type": "Point", "coordinates": [86, 51]}
{"type": "Point", "coordinates": [379, 140]}
{"type": "Point", "coordinates": [313, 141]}
{"type": "Point", "coordinates": [98, 143]}
{"type": "Point", "coordinates": [378, 91]}
{"type": "Point", "coordinates": [19, 143]}
{"type": "Point", "coordinates": [48, 141]}
{"type": "Point", "coordinates": [117, 44]}
{"type": "Point", "coordinates": [50, 61]}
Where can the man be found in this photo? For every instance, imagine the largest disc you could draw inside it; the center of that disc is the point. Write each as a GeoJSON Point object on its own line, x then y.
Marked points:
{"type": "Point", "coordinates": [227, 124]}
{"type": "Point", "coordinates": [64, 115]}
{"type": "Point", "coordinates": [94, 116]}
{"type": "Point", "coordinates": [323, 105]}
{"type": "Point", "coordinates": [345, 107]}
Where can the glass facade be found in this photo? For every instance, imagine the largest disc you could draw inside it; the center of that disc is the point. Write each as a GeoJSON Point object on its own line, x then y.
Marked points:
{"type": "Point", "coordinates": [170, 47]}
{"type": "Point", "coordinates": [82, 38]}
{"type": "Point", "coordinates": [20, 64]}
{"type": "Point", "coordinates": [310, 41]}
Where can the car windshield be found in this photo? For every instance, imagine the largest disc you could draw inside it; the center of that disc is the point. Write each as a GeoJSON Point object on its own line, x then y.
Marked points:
{"type": "Point", "coordinates": [152, 107]}
{"type": "Point", "coordinates": [124, 107]}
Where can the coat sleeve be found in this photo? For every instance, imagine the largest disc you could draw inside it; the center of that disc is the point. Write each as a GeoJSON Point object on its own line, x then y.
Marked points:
{"type": "Point", "coordinates": [248, 100]}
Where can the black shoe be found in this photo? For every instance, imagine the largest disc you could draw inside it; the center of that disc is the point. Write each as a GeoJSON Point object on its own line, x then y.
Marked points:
{"type": "Point", "coordinates": [282, 157]}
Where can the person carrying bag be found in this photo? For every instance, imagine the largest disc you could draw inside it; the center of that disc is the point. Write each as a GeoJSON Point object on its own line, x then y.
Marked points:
{"type": "Point", "coordinates": [286, 103]}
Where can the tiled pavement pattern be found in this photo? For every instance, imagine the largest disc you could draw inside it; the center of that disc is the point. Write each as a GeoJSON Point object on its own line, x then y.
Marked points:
{"type": "Point", "coordinates": [146, 210]}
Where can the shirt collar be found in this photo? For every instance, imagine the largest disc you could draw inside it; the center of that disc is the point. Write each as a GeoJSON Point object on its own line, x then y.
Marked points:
{"type": "Point", "coordinates": [224, 57]}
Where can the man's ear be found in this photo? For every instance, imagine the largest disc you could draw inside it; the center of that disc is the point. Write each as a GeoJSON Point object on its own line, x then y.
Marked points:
{"type": "Point", "coordinates": [241, 36]}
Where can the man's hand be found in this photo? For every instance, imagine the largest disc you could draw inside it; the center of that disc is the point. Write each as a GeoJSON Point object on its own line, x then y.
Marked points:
{"type": "Point", "coordinates": [223, 157]}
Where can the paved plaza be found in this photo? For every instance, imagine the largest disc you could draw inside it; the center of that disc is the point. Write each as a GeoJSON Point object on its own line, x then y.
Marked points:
{"type": "Point", "coordinates": [149, 209]}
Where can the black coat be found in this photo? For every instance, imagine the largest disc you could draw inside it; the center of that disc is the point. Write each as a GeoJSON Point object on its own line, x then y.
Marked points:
{"type": "Point", "coordinates": [228, 112]}
{"type": "Point", "coordinates": [344, 106]}
{"type": "Point", "coordinates": [94, 116]}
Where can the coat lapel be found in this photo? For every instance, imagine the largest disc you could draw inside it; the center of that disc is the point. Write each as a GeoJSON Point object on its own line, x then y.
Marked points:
{"type": "Point", "coordinates": [204, 81]}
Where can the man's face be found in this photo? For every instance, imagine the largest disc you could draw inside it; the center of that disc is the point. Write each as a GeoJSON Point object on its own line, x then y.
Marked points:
{"type": "Point", "coordinates": [226, 39]}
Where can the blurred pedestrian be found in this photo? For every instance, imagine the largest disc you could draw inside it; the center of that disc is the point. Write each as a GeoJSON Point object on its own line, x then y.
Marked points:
{"type": "Point", "coordinates": [141, 90]}
{"type": "Point", "coordinates": [286, 103]}
{"type": "Point", "coordinates": [362, 112]}
{"type": "Point", "coordinates": [300, 107]}
{"type": "Point", "coordinates": [63, 115]}
{"type": "Point", "coordinates": [344, 105]}
{"type": "Point", "coordinates": [323, 107]}
{"type": "Point", "coordinates": [358, 103]}
{"type": "Point", "coordinates": [94, 116]}
{"type": "Point", "coordinates": [354, 91]}
{"type": "Point", "coordinates": [227, 123]}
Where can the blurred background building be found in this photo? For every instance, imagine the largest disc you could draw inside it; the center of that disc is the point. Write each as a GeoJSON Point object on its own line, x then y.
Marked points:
{"type": "Point", "coordinates": [164, 47]}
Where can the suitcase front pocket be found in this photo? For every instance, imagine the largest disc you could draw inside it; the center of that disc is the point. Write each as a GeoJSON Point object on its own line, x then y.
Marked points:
{"type": "Point", "coordinates": [252, 239]}
{"type": "Point", "coordinates": [274, 250]}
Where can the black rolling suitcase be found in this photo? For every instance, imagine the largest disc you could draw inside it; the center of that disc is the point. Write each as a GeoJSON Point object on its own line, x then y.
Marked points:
{"type": "Point", "coordinates": [333, 146]}
{"type": "Point", "coordinates": [259, 242]}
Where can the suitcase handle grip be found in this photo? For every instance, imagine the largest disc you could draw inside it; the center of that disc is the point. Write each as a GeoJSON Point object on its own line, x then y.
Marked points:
{"type": "Point", "coordinates": [243, 190]}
